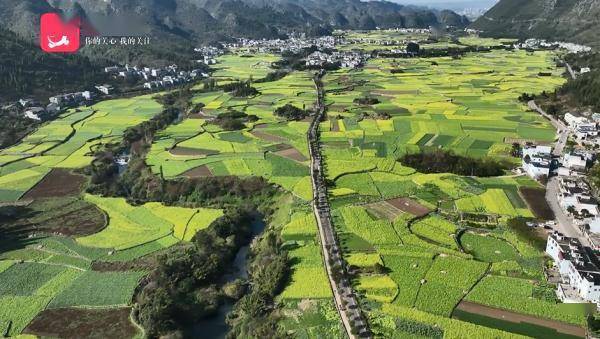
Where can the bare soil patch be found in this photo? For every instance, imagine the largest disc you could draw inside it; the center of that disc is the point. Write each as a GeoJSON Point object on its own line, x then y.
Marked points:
{"type": "Point", "coordinates": [58, 183]}
{"type": "Point", "coordinates": [335, 125]}
{"type": "Point", "coordinates": [86, 221]}
{"type": "Point", "coordinates": [293, 154]}
{"type": "Point", "coordinates": [200, 115]}
{"type": "Point", "coordinates": [198, 172]}
{"type": "Point", "coordinates": [409, 206]}
{"type": "Point", "coordinates": [520, 318]}
{"type": "Point", "coordinates": [536, 200]}
{"type": "Point", "coordinates": [383, 210]}
{"type": "Point", "coordinates": [186, 151]}
{"type": "Point", "coordinates": [83, 323]}
{"type": "Point", "coordinates": [267, 136]}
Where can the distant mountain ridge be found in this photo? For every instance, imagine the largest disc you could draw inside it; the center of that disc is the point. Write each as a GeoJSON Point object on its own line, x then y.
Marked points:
{"type": "Point", "coordinates": [567, 20]}
{"type": "Point", "coordinates": [212, 20]}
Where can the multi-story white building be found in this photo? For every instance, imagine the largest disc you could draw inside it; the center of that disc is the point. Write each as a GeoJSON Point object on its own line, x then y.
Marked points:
{"type": "Point", "coordinates": [574, 196]}
{"type": "Point", "coordinates": [536, 161]}
{"type": "Point", "coordinates": [577, 265]}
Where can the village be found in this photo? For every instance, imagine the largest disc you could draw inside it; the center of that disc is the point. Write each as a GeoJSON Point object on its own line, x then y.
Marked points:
{"type": "Point", "coordinates": [574, 237]}
{"type": "Point", "coordinates": [143, 78]}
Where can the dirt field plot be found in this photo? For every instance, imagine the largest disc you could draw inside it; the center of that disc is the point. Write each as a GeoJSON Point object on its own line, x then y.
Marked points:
{"type": "Point", "coordinates": [409, 206]}
{"type": "Point", "coordinates": [83, 323]}
{"type": "Point", "coordinates": [198, 172]}
{"type": "Point", "coordinates": [58, 183]}
{"type": "Point", "coordinates": [293, 154]}
{"type": "Point", "coordinates": [268, 137]}
{"type": "Point", "coordinates": [520, 318]}
{"type": "Point", "coordinates": [536, 200]}
{"type": "Point", "coordinates": [335, 126]}
{"type": "Point", "coordinates": [384, 210]}
{"type": "Point", "coordinates": [185, 151]}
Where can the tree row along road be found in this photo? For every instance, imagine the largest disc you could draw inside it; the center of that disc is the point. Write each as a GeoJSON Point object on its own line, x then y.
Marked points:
{"type": "Point", "coordinates": [348, 307]}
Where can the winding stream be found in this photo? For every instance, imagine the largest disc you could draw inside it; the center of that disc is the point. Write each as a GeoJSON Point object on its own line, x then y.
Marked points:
{"type": "Point", "coordinates": [215, 326]}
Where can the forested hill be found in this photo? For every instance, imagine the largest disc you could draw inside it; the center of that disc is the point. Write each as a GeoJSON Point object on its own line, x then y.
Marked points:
{"type": "Point", "coordinates": [564, 20]}
{"type": "Point", "coordinates": [212, 20]}
{"type": "Point", "coordinates": [26, 70]}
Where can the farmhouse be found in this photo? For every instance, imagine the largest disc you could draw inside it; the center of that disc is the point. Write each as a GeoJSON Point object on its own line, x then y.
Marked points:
{"type": "Point", "coordinates": [106, 89]}
{"type": "Point", "coordinates": [26, 102]}
{"type": "Point", "coordinates": [575, 198]}
{"type": "Point", "coordinates": [574, 121]}
{"type": "Point", "coordinates": [580, 275]}
{"type": "Point", "coordinates": [536, 161]}
{"type": "Point", "coordinates": [576, 161]}
{"type": "Point", "coordinates": [35, 113]}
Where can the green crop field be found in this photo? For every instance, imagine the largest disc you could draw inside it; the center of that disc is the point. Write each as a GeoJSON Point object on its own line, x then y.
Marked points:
{"type": "Point", "coordinates": [488, 248]}
{"type": "Point", "coordinates": [133, 226]}
{"type": "Point", "coordinates": [67, 142]}
{"type": "Point", "coordinates": [517, 295]}
{"type": "Point", "coordinates": [410, 270]}
{"type": "Point", "coordinates": [308, 278]}
{"type": "Point", "coordinates": [99, 289]}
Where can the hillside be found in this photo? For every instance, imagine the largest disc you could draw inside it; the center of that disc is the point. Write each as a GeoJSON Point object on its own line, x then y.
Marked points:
{"type": "Point", "coordinates": [41, 74]}
{"type": "Point", "coordinates": [212, 20]}
{"type": "Point", "coordinates": [569, 20]}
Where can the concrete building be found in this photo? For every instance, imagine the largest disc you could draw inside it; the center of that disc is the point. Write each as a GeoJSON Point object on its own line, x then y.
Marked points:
{"type": "Point", "coordinates": [578, 268]}
{"type": "Point", "coordinates": [536, 161]}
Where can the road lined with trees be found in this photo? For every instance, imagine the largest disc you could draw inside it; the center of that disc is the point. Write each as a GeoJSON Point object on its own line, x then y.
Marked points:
{"type": "Point", "coordinates": [345, 299]}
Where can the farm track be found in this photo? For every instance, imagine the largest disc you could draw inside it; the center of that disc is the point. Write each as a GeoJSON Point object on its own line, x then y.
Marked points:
{"type": "Point", "coordinates": [346, 301]}
{"type": "Point", "coordinates": [514, 317]}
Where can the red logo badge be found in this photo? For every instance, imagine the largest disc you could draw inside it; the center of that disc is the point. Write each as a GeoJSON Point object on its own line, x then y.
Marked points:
{"type": "Point", "coordinates": [57, 36]}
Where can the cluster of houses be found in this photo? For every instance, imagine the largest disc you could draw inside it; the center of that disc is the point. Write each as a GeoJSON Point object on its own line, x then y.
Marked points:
{"type": "Point", "coordinates": [209, 54]}
{"type": "Point", "coordinates": [534, 44]}
{"type": "Point", "coordinates": [578, 267]}
{"type": "Point", "coordinates": [346, 59]}
{"type": "Point", "coordinates": [156, 77]}
{"type": "Point", "coordinates": [291, 45]}
{"type": "Point", "coordinates": [584, 130]}
{"type": "Point", "coordinates": [36, 111]}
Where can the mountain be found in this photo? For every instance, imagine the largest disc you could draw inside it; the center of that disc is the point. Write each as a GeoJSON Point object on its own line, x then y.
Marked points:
{"type": "Point", "coordinates": [41, 74]}
{"type": "Point", "coordinates": [212, 20]}
{"type": "Point", "coordinates": [566, 20]}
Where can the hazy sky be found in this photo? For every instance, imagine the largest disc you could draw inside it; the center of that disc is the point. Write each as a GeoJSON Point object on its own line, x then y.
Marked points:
{"type": "Point", "coordinates": [450, 4]}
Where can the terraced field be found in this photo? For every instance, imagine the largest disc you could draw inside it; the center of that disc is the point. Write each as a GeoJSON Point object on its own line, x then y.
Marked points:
{"type": "Point", "coordinates": [268, 147]}
{"type": "Point", "coordinates": [412, 258]}
{"type": "Point", "coordinates": [67, 142]}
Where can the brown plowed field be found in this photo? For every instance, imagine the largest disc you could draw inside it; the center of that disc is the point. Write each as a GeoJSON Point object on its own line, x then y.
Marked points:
{"type": "Point", "coordinates": [198, 172]}
{"type": "Point", "coordinates": [58, 183]}
{"type": "Point", "coordinates": [409, 206]}
{"type": "Point", "coordinates": [83, 323]}
{"type": "Point", "coordinates": [520, 318]}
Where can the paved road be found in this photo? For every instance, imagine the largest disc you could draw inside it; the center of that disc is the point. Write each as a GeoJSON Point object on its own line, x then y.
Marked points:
{"type": "Point", "coordinates": [345, 299]}
{"type": "Point", "coordinates": [571, 72]}
{"type": "Point", "coordinates": [564, 222]}
{"type": "Point", "coordinates": [561, 128]}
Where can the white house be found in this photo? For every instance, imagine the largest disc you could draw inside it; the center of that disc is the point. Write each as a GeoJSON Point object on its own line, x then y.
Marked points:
{"type": "Point", "coordinates": [106, 89]}
{"type": "Point", "coordinates": [585, 70]}
{"type": "Point", "coordinates": [574, 195]}
{"type": "Point", "coordinates": [574, 121]}
{"type": "Point", "coordinates": [35, 113]}
{"type": "Point", "coordinates": [536, 161]}
{"type": "Point", "coordinates": [575, 161]}
{"type": "Point", "coordinates": [580, 277]}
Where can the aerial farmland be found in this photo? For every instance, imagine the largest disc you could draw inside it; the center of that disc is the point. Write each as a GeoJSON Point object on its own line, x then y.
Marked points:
{"type": "Point", "coordinates": [425, 251]}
